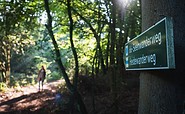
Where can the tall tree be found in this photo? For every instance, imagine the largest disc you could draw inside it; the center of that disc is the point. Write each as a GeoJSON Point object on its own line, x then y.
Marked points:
{"type": "Point", "coordinates": [113, 75]}
{"type": "Point", "coordinates": [72, 44]}
{"type": "Point", "coordinates": [97, 35]}
{"type": "Point", "coordinates": [162, 91]}
{"type": "Point", "coordinates": [14, 31]}
{"type": "Point", "coordinates": [57, 51]}
{"type": "Point", "coordinates": [70, 86]}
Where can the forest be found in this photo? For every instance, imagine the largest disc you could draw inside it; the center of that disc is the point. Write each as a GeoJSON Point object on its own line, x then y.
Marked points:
{"type": "Point", "coordinates": [78, 41]}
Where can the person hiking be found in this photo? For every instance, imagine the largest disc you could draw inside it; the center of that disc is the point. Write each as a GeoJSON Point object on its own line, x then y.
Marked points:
{"type": "Point", "coordinates": [41, 76]}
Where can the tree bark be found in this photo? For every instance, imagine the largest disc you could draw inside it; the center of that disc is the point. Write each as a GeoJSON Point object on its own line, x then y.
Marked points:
{"type": "Point", "coordinates": [107, 51]}
{"type": "Point", "coordinates": [7, 65]}
{"type": "Point", "coordinates": [57, 51]}
{"type": "Point", "coordinates": [119, 46]}
{"type": "Point", "coordinates": [75, 83]}
{"type": "Point", "coordinates": [71, 87]}
{"type": "Point", "coordinates": [112, 57]}
{"type": "Point", "coordinates": [113, 34]}
{"type": "Point", "coordinates": [7, 49]}
{"type": "Point", "coordinates": [2, 70]}
{"type": "Point", "coordinates": [93, 84]}
{"type": "Point", "coordinates": [162, 91]}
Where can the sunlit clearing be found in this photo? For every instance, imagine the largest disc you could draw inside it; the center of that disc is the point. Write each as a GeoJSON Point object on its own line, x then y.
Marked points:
{"type": "Point", "coordinates": [124, 3]}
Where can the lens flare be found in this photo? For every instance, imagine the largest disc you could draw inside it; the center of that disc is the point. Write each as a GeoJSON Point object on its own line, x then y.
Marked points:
{"type": "Point", "coordinates": [124, 3]}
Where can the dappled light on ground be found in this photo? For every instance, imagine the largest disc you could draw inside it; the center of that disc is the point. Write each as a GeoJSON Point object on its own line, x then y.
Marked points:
{"type": "Point", "coordinates": [28, 98]}
{"type": "Point", "coordinates": [55, 97]}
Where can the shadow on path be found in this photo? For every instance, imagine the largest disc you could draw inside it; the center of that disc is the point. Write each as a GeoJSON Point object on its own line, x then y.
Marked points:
{"type": "Point", "coordinates": [40, 102]}
{"type": "Point", "coordinates": [14, 100]}
{"type": "Point", "coordinates": [34, 102]}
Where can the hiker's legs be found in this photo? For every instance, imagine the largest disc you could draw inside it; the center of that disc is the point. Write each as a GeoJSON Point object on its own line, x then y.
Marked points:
{"type": "Point", "coordinates": [39, 85]}
{"type": "Point", "coordinates": [42, 84]}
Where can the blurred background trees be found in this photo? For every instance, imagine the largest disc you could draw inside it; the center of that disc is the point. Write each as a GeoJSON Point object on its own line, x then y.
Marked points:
{"type": "Point", "coordinates": [100, 30]}
{"type": "Point", "coordinates": [96, 30]}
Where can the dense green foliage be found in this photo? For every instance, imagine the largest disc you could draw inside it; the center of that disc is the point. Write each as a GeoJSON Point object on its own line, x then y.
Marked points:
{"type": "Point", "coordinates": [26, 45]}
{"type": "Point", "coordinates": [69, 38]}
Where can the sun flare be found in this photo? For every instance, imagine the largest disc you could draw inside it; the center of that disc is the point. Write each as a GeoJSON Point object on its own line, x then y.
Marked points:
{"type": "Point", "coordinates": [124, 3]}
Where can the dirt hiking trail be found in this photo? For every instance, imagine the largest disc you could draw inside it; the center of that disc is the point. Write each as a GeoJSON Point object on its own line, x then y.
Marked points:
{"type": "Point", "coordinates": [26, 100]}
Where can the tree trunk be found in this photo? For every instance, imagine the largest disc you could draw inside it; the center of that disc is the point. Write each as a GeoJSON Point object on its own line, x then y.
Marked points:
{"type": "Point", "coordinates": [57, 51]}
{"type": "Point", "coordinates": [2, 64]}
{"type": "Point", "coordinates": [6, 49]}
{"type": "Point", "coordinates": [75, 83]}
{"type": "Point", "coordinates": [2, 75]}
{"type": "Point", "coordinates": [109, 36]}
{"type": "Point", "coordinates": [8, 57]}
{"type": "Point", "coordinates": [112, 57]}
{"type": "Point", "coordinates": [100, 54]}
{"type": "Point", "coordinates": [119, 46]}
{"type": "Point", "coordinates": [93, 85]}
{"type": "Point", "coordinates": [107, 51]}
{"type": "Point", "coordinates": [162, 91]}
{"type": "Point", "coordinates": [75, 80]}
{"type": "Point", "coordinates": [112, 44]}
{"type": "Point", "coordinates": [71, 87]}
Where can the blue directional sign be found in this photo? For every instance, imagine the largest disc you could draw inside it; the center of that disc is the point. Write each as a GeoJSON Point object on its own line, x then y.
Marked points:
{"type": "Point", "coordinates": [152, 49]}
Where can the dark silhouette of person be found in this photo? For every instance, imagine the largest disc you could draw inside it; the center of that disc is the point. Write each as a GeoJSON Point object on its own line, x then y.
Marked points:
{"type": "Point", "coordinates": [41, 76]}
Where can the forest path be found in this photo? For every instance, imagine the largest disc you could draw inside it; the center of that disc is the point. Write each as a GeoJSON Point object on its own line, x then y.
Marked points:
{"type": "Point", "coordinates": [28, 99]}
